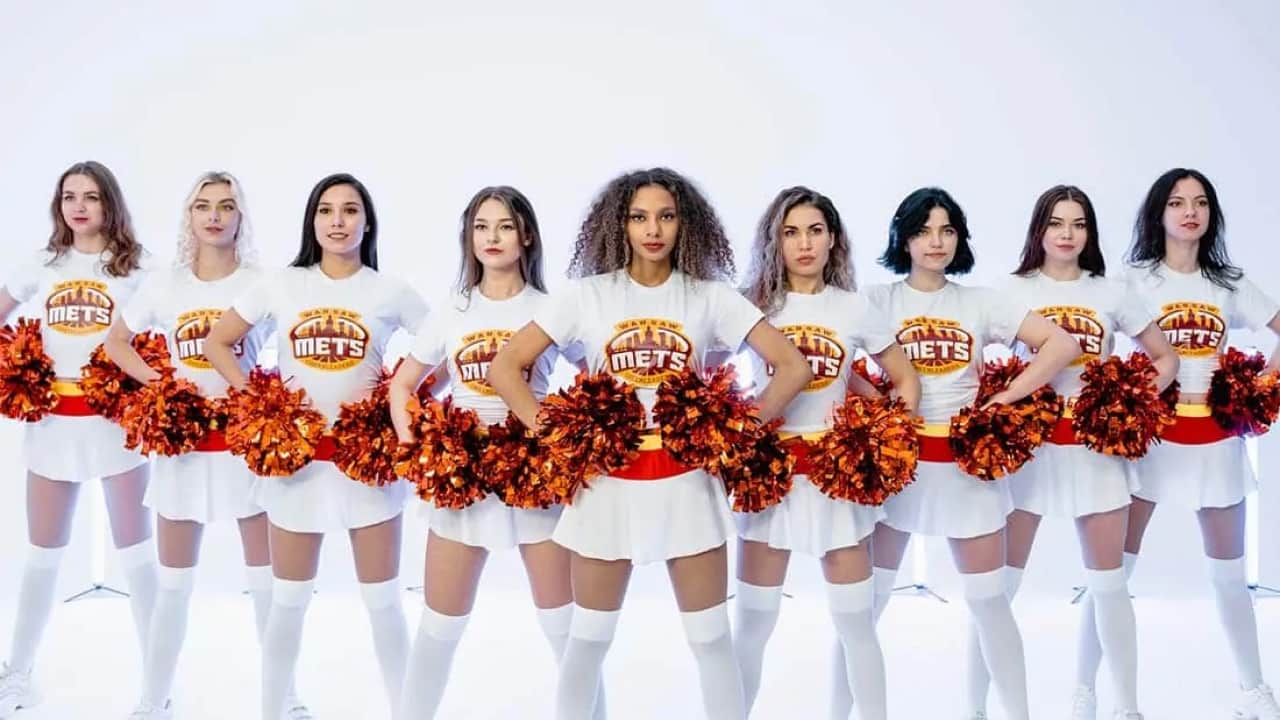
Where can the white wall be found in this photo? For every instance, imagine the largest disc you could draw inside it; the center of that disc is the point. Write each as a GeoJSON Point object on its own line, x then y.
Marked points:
{"type": "Point", "coordinates": [428, 101]}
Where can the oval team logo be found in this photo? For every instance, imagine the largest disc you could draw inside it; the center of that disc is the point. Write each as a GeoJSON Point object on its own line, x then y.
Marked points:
{"type": "Point", "coordinates": [821, 348]}
{"type": "Point", "coordinates": [79, 307]}
{"type": "Point", "coordinates": [1193, 329]}
{"type": "Point", "coordinates": [1081, 324]}
{"type": "Point", "coordinates": [329, 339]}
{"type": "Point", "coordinates": [935, 346]}
{"type": "Point", "coordinates": [189, 335]}
{"type": "Point", "coordinates": [473, 358]}
{"type": "Point", "coordinates": [644, 351]}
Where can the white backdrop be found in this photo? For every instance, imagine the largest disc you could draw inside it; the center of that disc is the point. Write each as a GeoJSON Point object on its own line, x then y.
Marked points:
{"type": "Point", "coordinates": [426, 102]}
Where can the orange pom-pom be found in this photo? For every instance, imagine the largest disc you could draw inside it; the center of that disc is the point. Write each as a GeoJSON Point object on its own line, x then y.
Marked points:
{"type": "Point", "coordinates": [591, 428]}
{"type": "Point", "coordinates": [1119, 411]}
{"type": "Point", "coordinates": [26, 373]}
{"type": "Point", "coordinates": [106, 387]}
{"type": "Point", "coordinates": [992, 442]}
{"type": "Point", "coordinates": [443, 460]}
{"type": "Point", "coordinates": [879, 380]}
{"type": "Point", "coordinates": [365, 440]}
{"type": "Point", "coordinates": [166, 417]}
{"type": "Point", "coordinates": [517, 468]}
{"type": "Point", "coordinates": [1242, 399]}
{"type": "Point", "coordinates": [760, 477]}
{"type": "Point", "coordinates": [705, 423]}
{"type": "Point", "coordinates": [273, 428]}
{"type": "Point", "coordinates": [870, 453]}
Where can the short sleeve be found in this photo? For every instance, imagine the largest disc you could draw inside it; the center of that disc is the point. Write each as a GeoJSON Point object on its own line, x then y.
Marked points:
{"type": "Point", "coordinates": [428, 344]}
{"type": "Point", "coordinates": [1133, 313]}
{"type": "Point", "coordinates": [254, 304]}
{"type": "Point", "coordinates": [732, 316]}
{"type": "Point", "coordinates": [1254, 309]}
{"type": "Point", "coordinates": [874, 332]}
{"type": "Point", "coordinates": [141, 309]}
{"type": "Point", "coordinates": [23, 281]}
{"type": "Point", "coordinates": [1004, 315]}
{"type": "Point", "coordinates": [560, 315]}
{"type": "Point", "coordinates": [411, 309]}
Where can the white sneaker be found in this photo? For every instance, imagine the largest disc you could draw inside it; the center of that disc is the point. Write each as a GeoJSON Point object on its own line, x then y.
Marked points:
{"type": "Point", "coordinates": [16, 691]}
{"type": "Point", "coordinates": [147, 711]}
{"type": "Point", "coordinates": [296, 710]}
{"type": "Point", "coordinates": [1257, 704]}
{"type": "Point", "coordinates": [1084, 704]}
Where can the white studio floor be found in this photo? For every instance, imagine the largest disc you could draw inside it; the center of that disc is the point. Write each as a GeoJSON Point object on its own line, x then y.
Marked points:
{"type": "Point", "coordinates": [89, 664]}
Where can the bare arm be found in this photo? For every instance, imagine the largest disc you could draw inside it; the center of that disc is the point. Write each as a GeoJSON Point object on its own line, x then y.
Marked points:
{"type": "Point", "coordinates": [506, 372]}
{"type": "Point", "coordinates": [1054, 350]}
{"type": "Point", "coordinates": [1272, 364]}
{"type": "Point", "coordinates": [1163, 356]}
{"type": "Point", "coordinates": [119, 347]}
{"type": "Point", "coordinates": [402, 387]}
{"type": "Point", "coordinates": [7, 305]}
{"type": "Point", "coordinates": [906, 384]}
{"type": "Point", "coordinates": [790, 370]}
{"type": "Point", "coordinates": [219, 347]}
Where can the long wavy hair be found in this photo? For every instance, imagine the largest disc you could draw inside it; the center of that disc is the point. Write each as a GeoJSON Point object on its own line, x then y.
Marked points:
{"type": "Point", "coordinates": [766, 282]}
{"type": "Point", "coordinates": [471, 270]}
{"type": "Point", "coordinates": [310, 252]}
{"type": "Point", "coordinates": [123, 253]}
{"type": "Point", "coordinates": [701, 251]}
{"type": "Point", "coordinates": [189, 247]}
{"type": "Point", "coordinates": [1090, 260]}
{"type": "Point", "coordinates": [1148, 248]}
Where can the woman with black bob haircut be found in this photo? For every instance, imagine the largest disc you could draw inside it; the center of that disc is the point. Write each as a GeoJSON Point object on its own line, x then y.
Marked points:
{"type": "Point", "coordinates": [335, 314]}
{"type": "Point", "coordinates": [943, 327]}
{"type": "Point", "coordinates": [650, 299]}
{"type": "Point", "coordinates": [1182, 270]}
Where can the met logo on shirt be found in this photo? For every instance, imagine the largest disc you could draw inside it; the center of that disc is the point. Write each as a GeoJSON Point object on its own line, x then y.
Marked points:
{"type": "Point", "coordinates": [79, 307]}
{"type": "Point", "coordinates": [189, 335]}
{"type": "Point", "coordinates": [477, 352]}
{"type": "Point", "coordinates": [1194, 329]}
{"type": "Point", "coordinates": [645, 351]}
{"type": "Point", "coordinates": [329, 339]}
{"type": "Point", "coordinates": [821, 348]}
{"type": "Point", "coordinates": [1080, 323]}
{"type": "Point", "coordinates": [935, 346]}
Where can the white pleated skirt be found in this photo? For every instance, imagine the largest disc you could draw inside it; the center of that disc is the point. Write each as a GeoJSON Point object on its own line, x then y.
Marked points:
{"type": "Point", "coordinates": [1073, 481]}
{"type": "Point", "coordinates": [492, 524]}
{"type": "Point", "coordinates": [1197, 476]}
{"type": "Point", "coordinates": [76, 449]}
{"type": "Point", "coordinates": [810, 522]}
{"type": "Point", "coordinates": [320, 498]}
{"type": "Point", "coordinates": [945, 502]}
{"type": "Point", "coordinates": [204, 487]}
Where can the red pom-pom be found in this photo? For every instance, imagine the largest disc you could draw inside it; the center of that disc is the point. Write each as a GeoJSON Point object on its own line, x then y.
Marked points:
{"type": "Point", "coordinates": [273, 428]}
{"type": "Point", "coordinates": [759, 477]}
{"type": "Point", "coordinates": [517, 468]}
{"type": "Point", "coordinates": [26, 373]}
{"type": "Point", "coordinates": [878, 379]}
{"type": "Point", "coordinates": [167, 417]}
{"type": "Point", "coordinates": [1243, 400]}
{"type": "Point", "coordinates": [106, 387]}
{"type": "Point", "coordinates": [705, 423]}
{"type": "Point", "coordinates": [992, 442]}
{"type": "Point", "coordinates": [365, 440]}
{"type": "Point", "coordinates": [591, 428]}
{"type": "Point", "coordinates": [1119, 411]}
{"type": "Point", "coordinates": [443, 460]}
{"type": "Point", "coordinates": [870, 453]}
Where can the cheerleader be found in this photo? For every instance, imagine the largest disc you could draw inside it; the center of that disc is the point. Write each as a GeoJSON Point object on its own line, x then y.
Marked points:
{"type": "Point", "coordinates": [802, 279]}
{"type": "Point", "coordinates": [334, 313]}
{"type": "Point", "coordinates": [652, 258]}
{"type": "Point", "coordinates": [212, 268]}
{"type": "Point", "coordinates": [499, 289]}
{"type": "Point", "coordinates": [1062, 275]}
{"type": "Point", "coordinates": [1181, 267]}
{"type": "Point", "coordinates": [943, 327]}
{"type": "Point", "coordinates": [90, 267]}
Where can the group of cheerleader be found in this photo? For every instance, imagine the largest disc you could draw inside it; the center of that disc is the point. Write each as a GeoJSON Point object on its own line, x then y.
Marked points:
{"type": "Point", "coordinates": [650, 297]}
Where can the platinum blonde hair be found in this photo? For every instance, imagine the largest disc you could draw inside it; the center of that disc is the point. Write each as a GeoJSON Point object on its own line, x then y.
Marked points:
{"type": "Point", "coordinates": [188, 246]}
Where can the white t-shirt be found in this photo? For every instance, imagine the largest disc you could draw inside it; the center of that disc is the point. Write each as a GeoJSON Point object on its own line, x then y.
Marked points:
{"type": "Point", "coordinates": [828, 328]}
{"type": "Point", "coordinates": [1195, 316]}
{"type": "Point", "coordinates": [184, 307]}
{"type": "Point", "coordinates": [643, 335]}
{"type": "Point", "coordinates": [78, 301]}
{"type": "Point", "coordinates": [467, 334]}
{"type": "Point", "coordinates": [943, 333]}
{"type": "Point", "coordinates": [332, 333]}
{"type": "Point", "coordinates": [1090, 309]}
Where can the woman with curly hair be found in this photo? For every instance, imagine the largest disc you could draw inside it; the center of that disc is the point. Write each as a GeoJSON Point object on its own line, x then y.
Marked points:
{"type": "Point", "coordinates": [90, 268]}
{"type": "Point", "coordinates": [801, 276]}
{"type": "Point", "coordinates": [651, 261]}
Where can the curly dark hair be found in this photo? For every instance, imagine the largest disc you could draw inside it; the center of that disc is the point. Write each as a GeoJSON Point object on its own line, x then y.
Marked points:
{"type": "Point", "coordinates": [701, 251]}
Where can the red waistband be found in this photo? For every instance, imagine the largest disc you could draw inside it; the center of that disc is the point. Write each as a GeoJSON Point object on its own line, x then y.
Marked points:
{"type": "Point", "coordinates": [801, 450]}
{"type": "Point", "coordinates": [1195, 431]}
{"type": "Point", "coordinates": [1063, 433]}
{"type": "Point", "coordinates": [936, 449]}
{"type": "Point", "coordinates": [72, 406]}
{"type": "Point", "coordinates": [216, 441]}
{"type": "Point", "coordinates": [648, 465]}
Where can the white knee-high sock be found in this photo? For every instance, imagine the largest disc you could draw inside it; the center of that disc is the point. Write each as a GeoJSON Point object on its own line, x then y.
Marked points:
{"type": "Point", "coordinates": [708, 634]}
{"type": "Point", "coordinates": [1117, 632]}
{"type": "Point", "coordinates": [977, 679]}
{"type": "Point", "coordinates": [755, 615]}
{"type": "Point", "coordinates": [555, 623]}
{"type": "Point", "coordinates": [138, 561]}
{"type": "Point", "coordinates": [35, 604]}
{"type": "Point", "coordinates": [259, 579]}
{"type": "Point", "coordinates": [390, 634]}
{"type": "Point", "coordinates": [282, 641]}
{"type": "Point", "coordinates": [851, 610]}
{"type": "Point", "coordinates": [1235, 611]}
{"type": "Point", "coordinates": [168, 632]}
{"type": "Point", "coordinates": [998, 635]}
{"type": "Point", "coordinates": [590, 635]}
{"type": "Point", "coordinates": [1089, 657]}
{"type": "Point", "coordinates": [883, 581]}
{"type": "Point", "coordinates": [429, 663]}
